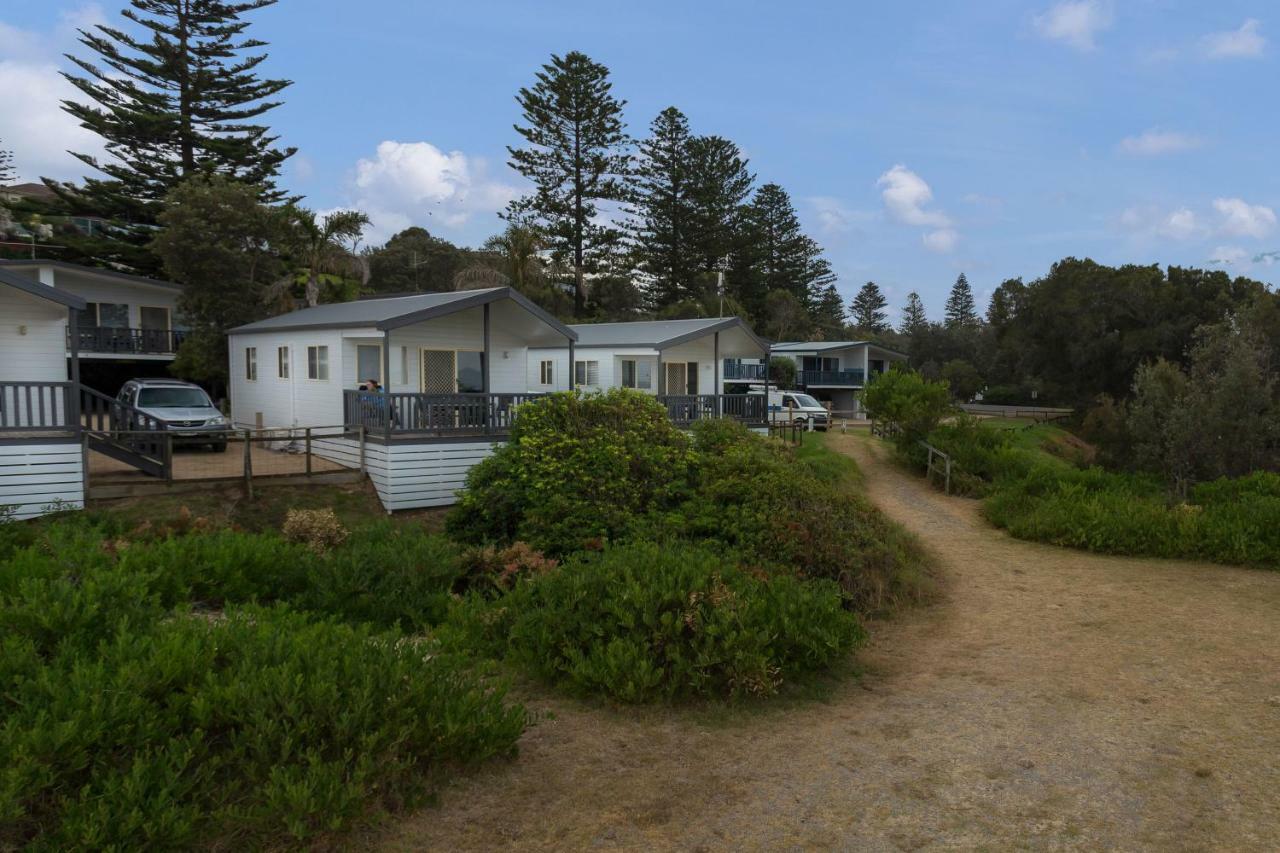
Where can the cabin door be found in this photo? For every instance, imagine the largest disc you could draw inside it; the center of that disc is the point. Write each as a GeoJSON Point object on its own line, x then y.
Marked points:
{"type": "Point", "coordinates": [439, 371]}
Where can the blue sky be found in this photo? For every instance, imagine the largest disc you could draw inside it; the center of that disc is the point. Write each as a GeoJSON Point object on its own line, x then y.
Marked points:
{"type": "Point", "coordinates": [916, 139]}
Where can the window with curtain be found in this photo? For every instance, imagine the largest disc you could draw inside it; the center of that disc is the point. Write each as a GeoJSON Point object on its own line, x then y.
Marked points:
{"type": "Point", "coordinates": [369, 363]}
{"type": "Point", "coordinates": [318, 363]}
{"type": "Point", "coordinates": [586, 372]}
{"type": "Point", "coordinates": [637, 373]}
{"type": "Point", "coordinates": [282, 362]}
{"type": "Point", "coordinates": [546, 373]}
{"type": "Point", "coordinates": [251, 363]}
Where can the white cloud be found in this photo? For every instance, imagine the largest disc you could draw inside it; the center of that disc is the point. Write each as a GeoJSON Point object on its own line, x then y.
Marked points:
{"type": "Point", "coordinates": [1227, 256]}
{"type": "Point", "coordinates": [1152, 222]}
{"type": "Point", "coordinates": [906, 194]}
{"type": "Point", "coordinates": [1074, 22]}
{"type": "Point", "coordinates": [1242, 43]}
{"type": "Point", "coordinates": [907, 197]}
{"type": "Point", "coordinates": [32, 123]}
{"type": "Point", "coordinates": [834, 217]}
{"type": "Point", "coordinates": [416, 183]}
{"type": "Point", "coordinates": [1154, 142]}
{"type": "Point", "coordinates": [1241, 219]}
{"type": "Point", "coordinates": [942, 240]}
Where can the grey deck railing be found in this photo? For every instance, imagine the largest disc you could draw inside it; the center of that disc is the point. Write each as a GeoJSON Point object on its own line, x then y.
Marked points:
{"type": "Point", "coordinates": [386, 415]}
{"type": "Point", "coordinates": [123, 341]}
{"type": "Point", "coordinates": [740, 371]}
{"type": "Point", "coordinates": [37, 407]}
{"type": "Point", "coordinates": [850, 377]}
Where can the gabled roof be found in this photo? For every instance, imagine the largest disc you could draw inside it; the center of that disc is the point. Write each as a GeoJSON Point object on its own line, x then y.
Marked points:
{"type": "Point", "coordinates": [44, 291]}
{"type": "Point", "coordinates": [396, 311]}
{"type": "Point", "coordinates": [825, 346]}
{"type": "Point", "coordinates": [657, 334]}
{"type": "Point", "coordinates": [98, 271]}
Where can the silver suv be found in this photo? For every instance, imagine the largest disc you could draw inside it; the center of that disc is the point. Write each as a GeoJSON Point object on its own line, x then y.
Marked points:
{"type": "Point", "coordinates": [184, 409]}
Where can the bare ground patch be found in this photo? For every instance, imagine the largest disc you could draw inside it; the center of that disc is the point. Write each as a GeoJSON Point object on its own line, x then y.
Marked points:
{"type": "Point", "coordinates": [1053, 699]}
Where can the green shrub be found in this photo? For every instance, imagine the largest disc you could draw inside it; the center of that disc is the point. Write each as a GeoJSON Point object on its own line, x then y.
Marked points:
{"type": "Point", "coordinates": [263, 729]}
{"type": "Point", "coordinates": [388, 575]}
{"type": "Point", "coordinates": [1224, 489]}
{"type": "Point", "coordinates": [492, 571]}
{"type": "Point", "coordinates": [579, 468]}
{"type": "Point", "coordinates": [646, 622]}
{"type": "Point", "coordinates": [906, 398]}
{"type": "Point", "coordinates": [980, 455]}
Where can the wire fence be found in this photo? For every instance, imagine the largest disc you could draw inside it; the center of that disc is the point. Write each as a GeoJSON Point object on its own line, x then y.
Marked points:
{"type": "Point", "coordinates": [245, 455]}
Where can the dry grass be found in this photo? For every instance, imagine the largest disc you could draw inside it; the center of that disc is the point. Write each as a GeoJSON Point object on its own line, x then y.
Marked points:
{"type": "Point", "coordinates": [1053, 699]}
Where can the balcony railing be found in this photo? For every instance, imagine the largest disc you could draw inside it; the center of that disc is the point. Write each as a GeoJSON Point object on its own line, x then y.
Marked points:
{"type": "Point", "coordinates": [745, 371]}
{"type": "Point", "coordinates": [402, 415]}
{"type": "Point", "coordinates": [839, 378]}
{"type": "Point", "coordinates": [37, 407]}
{"type": "Point", "coordinates": [121, 341]}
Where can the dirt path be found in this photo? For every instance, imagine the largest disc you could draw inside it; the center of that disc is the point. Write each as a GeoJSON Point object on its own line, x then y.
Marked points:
{"type": "Point", "coordinates": [1054, 700]}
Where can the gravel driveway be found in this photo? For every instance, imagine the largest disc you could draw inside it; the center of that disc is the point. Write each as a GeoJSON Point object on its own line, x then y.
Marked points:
{"type": "Point", "coordinates": [1052, 700]}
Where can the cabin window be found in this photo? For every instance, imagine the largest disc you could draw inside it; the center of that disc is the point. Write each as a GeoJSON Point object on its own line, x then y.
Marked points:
{"type": "Point", "coordinates": [318, 363]}
{"type": "Point", "coordinates": [154, 319]}
{"type": "Point", "coordinates": [546, 373]}
{"type": "Point", "coordinates": [251, 363]}
{"type": "Point", "coordinates": [113, 316]}
{"type": "Point", "coordinates": [586, 372]}
{"type": "Point", "coordinates": [636, 374]}
{"type": "Point", "coordinates": [282, 362]}
{"type": "Point", "coordinates": [404, 365]}
{"type": "Point", "coordinates": [369, 363]}
{"type": "Point", "coordinates": [470, 372]}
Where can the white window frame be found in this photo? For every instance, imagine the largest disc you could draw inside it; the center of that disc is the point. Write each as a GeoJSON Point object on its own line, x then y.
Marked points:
{"type": "Point", "coordinates": [587, 367]}
{"type": "Point", "coordinates": [251, 364]}
{"type": "Point", "coordinates": [638, 368]}
{"type": "Point", "coordinates": [318, 363]}
{"type": "Point", "coordinates": [382, 380]}
{"type": "Point", "coordinates": [547, 372]}
{"type": "Point", "coordinates": [282, 363]}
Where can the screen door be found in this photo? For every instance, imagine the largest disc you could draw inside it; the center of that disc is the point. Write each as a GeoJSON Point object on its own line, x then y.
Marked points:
{"type": "Point", "coordinates": [439, 372]}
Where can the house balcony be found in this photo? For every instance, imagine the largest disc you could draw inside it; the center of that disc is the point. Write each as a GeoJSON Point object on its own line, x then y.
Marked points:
{"type": "Point", "coordinates": [388, 416]}
{"type": "Point", "coordinates": [851, 378]}
{"type": "Point", "coordinates": [744, 372]}
{"type": "Point", "coordinates": [111, 340]}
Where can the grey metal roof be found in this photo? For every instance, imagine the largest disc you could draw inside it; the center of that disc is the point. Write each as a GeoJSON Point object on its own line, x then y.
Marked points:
{"type": "Point", "coordinates": [824, 346]}
{"type": "Point", "coordinates": [99, 271]}
{"type": "Point", "coordinates": [656, 333]}
{"type": "Point", "coordinates": [394, 312]}
{"type": "Point", "coordinates": [44, 291]}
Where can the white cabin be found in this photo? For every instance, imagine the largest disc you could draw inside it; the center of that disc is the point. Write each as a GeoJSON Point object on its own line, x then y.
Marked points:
{"type": "Point", "coordinates": [835, 372]}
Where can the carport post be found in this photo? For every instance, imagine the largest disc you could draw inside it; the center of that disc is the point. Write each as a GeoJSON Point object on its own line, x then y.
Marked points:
{"type": "Point", "coordinates": [573, 367]}
{"type": "Point", "coordinates": [715, 385]}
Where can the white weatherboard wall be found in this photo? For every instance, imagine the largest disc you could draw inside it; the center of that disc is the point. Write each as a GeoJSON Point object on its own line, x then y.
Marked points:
{"type": "Point", "coordinates": [33, 338]}
{"type": "Point", "coordinates": [411, 476]}
{"type": "Point", "coordinates": [38, 477]}
{"type": "Point", "coordinates": [297, 400]}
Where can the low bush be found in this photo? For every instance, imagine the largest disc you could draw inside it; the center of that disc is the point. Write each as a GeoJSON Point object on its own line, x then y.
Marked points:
{"type": "Point", "coordinates": [262, 729]}
{"type": "Point", "coordinates": [492, 571]}
{"type": "Point", "coordinates": [318, 529]}
{"type": "Point", "coordinates": [764, 503]}
{"type": "Point", "coordinates": [579, 469]}
{"type": "Point", "coordinates": [980, 456]}
{"type": "Point", "coordinates": [1228, 522]}
{"type": "Point", "coordinates": [645, 622]}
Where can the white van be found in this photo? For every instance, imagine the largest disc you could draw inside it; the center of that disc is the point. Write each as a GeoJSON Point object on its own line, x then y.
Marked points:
{"type": "Point", "coordinates": [803, 409]}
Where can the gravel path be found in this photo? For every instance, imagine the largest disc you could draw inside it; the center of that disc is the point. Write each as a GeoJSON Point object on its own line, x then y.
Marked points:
{"type": "Point", "coordinates": [1053, 700]}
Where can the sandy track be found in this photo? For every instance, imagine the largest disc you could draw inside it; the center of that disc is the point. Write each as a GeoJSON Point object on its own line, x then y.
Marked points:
{"type": "Point", "coordinates": [1053, 700]}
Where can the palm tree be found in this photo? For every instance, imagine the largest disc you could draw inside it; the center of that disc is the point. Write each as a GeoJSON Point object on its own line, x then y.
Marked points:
{"type": "Point", "coordinates": [326, 246]}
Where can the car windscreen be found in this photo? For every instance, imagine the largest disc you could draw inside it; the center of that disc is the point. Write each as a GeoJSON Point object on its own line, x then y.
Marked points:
{"type": "Point", "coordinates": [806, 401]}
{"type": "Point", "coordinates": [173, 398]}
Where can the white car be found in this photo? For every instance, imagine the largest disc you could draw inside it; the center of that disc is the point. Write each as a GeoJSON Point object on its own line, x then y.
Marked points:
{"type": "Point", "coordinates": [798, 407]}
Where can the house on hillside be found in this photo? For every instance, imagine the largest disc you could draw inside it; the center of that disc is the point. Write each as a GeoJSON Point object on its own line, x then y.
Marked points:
{"type": "Point", "coordinates": [41, 458]}
{"type": "Point", "coordinates": [129, 326]}
{"type": "Point", "coordinates": [660, 357]}
{"type": "Point", "coordinates": [452, 366]}
{"type": "Point", "coordinates": [835, 371]}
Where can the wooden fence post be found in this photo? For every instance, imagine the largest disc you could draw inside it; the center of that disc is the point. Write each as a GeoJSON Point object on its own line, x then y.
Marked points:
{"type": "Point", "coordinates": [168, 456]}
{"type": "Point", "coordinates": [248, 465]}
{"type": "Point", "coordinates": [308, 451]}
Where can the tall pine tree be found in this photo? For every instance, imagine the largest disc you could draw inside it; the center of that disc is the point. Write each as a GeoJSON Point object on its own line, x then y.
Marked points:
{"type": "Point", "coordinates": [662, 211]}
{"type": "Point", "coordinates": [774, 254]}
{"type": "Point", "coordinates": [173, 98]}
{"type": "Point", "coordinates": [577, 155]}
{"type": "Point", "coordinates": [868, 310]}
{"type": "Point", "coordinates": [828, 312]}
{"type": "Point", "coordinates": [961, 312]}
{"type": "Point", "coordinates": [914, 320]}
{"type": "Point", "coordinates": [7, 173]}
{"type": "Point", "coordinates": [719, 184]}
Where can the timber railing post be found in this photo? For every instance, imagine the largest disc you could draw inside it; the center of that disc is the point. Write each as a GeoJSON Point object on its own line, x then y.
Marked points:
{"type": "Point", "coordinates": [168, 457]}
{"type": "Point", "coordinates": [308, 451]}
{"type": "Point", "coordinates": [248, 465]}
{"type": "Point", "coordinates": [363, 469]}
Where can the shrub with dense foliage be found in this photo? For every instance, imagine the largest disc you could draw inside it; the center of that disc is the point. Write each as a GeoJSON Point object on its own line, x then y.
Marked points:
{"type": "Point", "coordinates": [643, 622]}
{"type": "Point", "coordinates": [578, 470]}
{"type": "Point", "coordinates": [906, 398]}
{"type": "Point", "coordinates": [128, 718]}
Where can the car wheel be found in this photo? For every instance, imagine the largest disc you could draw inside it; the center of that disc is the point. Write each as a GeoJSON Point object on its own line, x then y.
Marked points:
{"type": "Point", "coordinates": [219, 447]}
